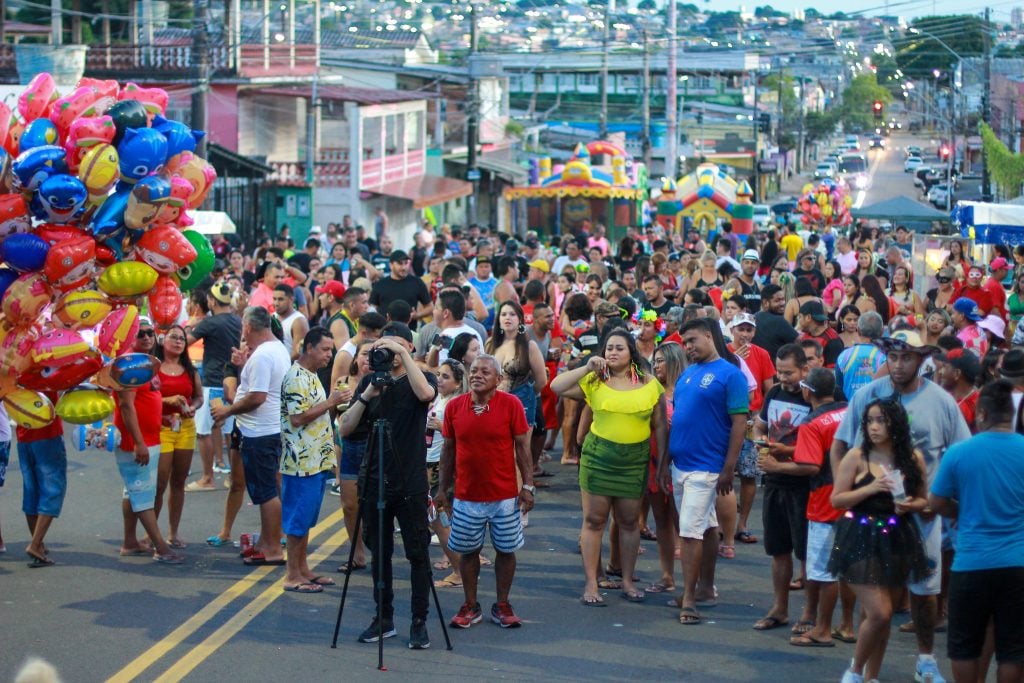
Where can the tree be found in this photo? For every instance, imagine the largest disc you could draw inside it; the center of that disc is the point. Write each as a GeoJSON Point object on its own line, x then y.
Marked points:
{"type": "Point", "coordinates": [647, 6]}
{"type": "Point", "coordinates": [722, 22]}
{"type": "Point", "coordinates": [811, 13]}
{"type": "Point", "coordinates": [820, 125]}
{"type": "Point", "coordinates": [1007, 168]}
{"type": "Point", "coordinates": [858, 99]}
{"type": "Point", "coordinates": [918, 55]}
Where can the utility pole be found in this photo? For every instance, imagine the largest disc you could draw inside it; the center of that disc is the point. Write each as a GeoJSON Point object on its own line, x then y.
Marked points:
{"type": "Point", "coordinates": [603, 127]}
{"type": "Point", "coordinates": [645, 104]}
{"type": "Point", "coordinates": [986, 110]}
{"type": "Point", "coordinates": [201, 66]}
{"type": "Point", "coordinates": [757, 147]}
{"type": "Point", "coordinates": [671, 128]}
{"type": "Point", "coordinates": [800, 132]}
{"type": "Point", "coordinates": [472, 122]}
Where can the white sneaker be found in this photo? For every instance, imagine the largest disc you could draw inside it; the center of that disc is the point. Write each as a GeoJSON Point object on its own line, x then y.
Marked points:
{"type": "Point", "coordinates": [927, 671]}
{"type": "Point", "coordinates": [850, 677]}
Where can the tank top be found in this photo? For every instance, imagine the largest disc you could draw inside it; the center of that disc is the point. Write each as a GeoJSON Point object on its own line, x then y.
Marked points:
{"type": "Point", "coordinates": [286, 328]}
{"type": "Point", "coordinates": [880, 503]}
{"type": "Point", "coordinates": [175, 385]}
{"type": "Point", "coordinates": [751, 294]}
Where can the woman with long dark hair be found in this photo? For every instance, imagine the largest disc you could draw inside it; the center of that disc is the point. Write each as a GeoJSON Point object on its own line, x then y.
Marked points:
{"type": "Point", "coordinates": [874, 298]}
{"type": "Point", "coordinates": [465, 348]}
{"type": "Point", "coordinates": [521, 361]}
{"type": "Point", "coordinates": [629, 406]}
{"type": "Point", "coordinates": [848, 316]}
{"type": "Point", "coordinates": [878, 546]}
{"type": "Point", "coordinates": [902, 293]}
{"type": "Point", "coordinates": [182, 394]}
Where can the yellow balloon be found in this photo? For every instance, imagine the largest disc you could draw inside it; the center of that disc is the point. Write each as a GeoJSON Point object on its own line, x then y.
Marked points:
{"type": "Point", "coordinates": [807, 189]}
{"type": "Point", "coordinates": [849, 201]}
{"type": "Point", "coordinates": [822, 199]}
{"type": "Point", "coordinates": [82, 308]}
{"type": "Point", "coordinates": [29, 409]}
{"type": "Point", "coordinates": [128, 278]}
{"type": "Point", "coordinates": [826, 211]}
{"type": "Point", "coordinates": [85, 406]}
{"type": "Point", "coordinates": [99, 171]}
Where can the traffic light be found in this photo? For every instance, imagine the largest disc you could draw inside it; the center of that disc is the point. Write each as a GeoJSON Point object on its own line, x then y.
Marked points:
{"type": "Point", "coordinates": [944, 152]}
{"type": "Point", "coordinates": [877, 108]}
{"type": "Point", "coordinates": [764, 123]}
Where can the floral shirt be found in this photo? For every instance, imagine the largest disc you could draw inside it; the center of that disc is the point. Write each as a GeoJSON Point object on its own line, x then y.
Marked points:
{"type": "Point", "coordinates": [309, 449]}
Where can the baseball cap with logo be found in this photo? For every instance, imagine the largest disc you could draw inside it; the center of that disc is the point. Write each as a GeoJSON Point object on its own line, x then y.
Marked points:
{"type": "Point", "coordinates": [751, 255]}
{"type": "Point", "coordinates": [742, 319]}
{"type": "Point", "coordinates": [967, 308]}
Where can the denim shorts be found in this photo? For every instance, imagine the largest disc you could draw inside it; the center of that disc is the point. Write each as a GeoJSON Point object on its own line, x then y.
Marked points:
{"type": "Point", "coordinates": [44, 474]}
{"type": "Point", "coordinates": [139, 480]}
{"type": "Point", "coordinates": [352, 453]}
{"type": "Point", "coordinates": [261, 457]}
{"type": "Point", "coordinates": [528, 397]}
{"type": "Point", "coordinates": [301, 498]}
{"type": "Point", "coordinates": [5, 459]}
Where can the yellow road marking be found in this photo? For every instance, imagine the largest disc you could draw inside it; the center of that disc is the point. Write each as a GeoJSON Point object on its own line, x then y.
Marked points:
{"type": "Point", "coordinates": [197, 655]}
{"type": "Point", "coordinates": [134, 668]}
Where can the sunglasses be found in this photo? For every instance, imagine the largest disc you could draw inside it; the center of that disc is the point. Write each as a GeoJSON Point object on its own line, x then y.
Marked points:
{"type": "Point", "coordinates": [146, 333]}
{"type": "Point", "coordinates": [944, 280]}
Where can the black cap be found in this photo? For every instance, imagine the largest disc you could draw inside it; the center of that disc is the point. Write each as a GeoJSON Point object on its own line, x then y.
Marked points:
{"type": "Point", "coordinates": [815, 310]}
{"type": "Point", "coordinates": [398, 255]}
{"type": "Point", "coordinates": [393, 329]}
{"type": "Point", "coordinates": [965, 361]}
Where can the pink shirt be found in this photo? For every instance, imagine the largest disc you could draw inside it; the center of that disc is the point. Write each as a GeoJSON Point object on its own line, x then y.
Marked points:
{"type": "Point", "coordinates": [974, 340]}
{"type": "Point", "coordinates": [262, 296]}
{"type": "Point", "coordinates": [599, 242]}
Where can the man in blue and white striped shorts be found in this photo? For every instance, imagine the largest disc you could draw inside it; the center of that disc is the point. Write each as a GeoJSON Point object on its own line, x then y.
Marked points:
{"type": "Point", "coordinates": [486, 438]}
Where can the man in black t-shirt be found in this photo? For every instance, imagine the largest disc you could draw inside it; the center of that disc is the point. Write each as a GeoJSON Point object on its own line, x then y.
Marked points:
{"type": "Point", "coordinates": [220, 331]}
{"type": "Point", "coordinates": [807, 268]}
{"type": "Point", "coordinates": [772, 329]}
{"type": "Point", "coordinates": [401, 284]}
{"type": "Point", "coordinates": [656, 300]}
{"type": "Point", "coordinates": [784, 511]}
{"type": "Point", "coordinates": [404, 404]}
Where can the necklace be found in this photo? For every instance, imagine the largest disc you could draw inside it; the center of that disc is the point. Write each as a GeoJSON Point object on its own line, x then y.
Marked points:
{"type": "Point", "coordinates": [479, 409]}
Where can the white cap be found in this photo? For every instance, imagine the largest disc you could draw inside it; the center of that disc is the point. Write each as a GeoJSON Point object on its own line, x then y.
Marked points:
{"type": "Point", "coordinates": [751, 255]}
{"type": "Point", "coordinates": [315, 230]}
{"type": "Point", "coordinates": [742, 319]}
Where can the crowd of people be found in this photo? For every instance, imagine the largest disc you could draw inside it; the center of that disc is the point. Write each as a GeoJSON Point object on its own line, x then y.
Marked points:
{"type": "Point", "coordinates": [681, 373]}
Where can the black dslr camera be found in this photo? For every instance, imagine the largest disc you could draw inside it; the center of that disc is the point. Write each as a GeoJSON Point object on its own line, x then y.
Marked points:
{"type": "Point", "coordinates": [381, 361]}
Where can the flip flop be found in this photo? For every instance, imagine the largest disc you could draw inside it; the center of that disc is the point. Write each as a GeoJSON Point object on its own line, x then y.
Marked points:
{"type": "Point", "coordinates": [647, 535]}
{"type": "Point", "coordinates": [804, 640]}
{"type": "Point", "coordinates": [633, 596]}
{"type": "Point", "coordinates": [769, 623]}
{"type": "Point", "coordinates": [346, 567]}
{"type": "Point", "coordinates": [589, 600]}
{"type": "Point", "coordinates": [908, 627]}
{"type": "Point", "coordinates": [39, 562]}
{"type": "Point", "coordinates": [441, 565]}
{"type": "Point", "coordinates": [707, 604]}
{"type": "Point", "coordinates": [485, 562]}
{"type": "Point", "coordinates": [843, 638]}
{"type": "Point", "coordinates": [802, 627]}
{"type": "Point", "coordinates": [543, 473]}
{"type": "Point", "coordinates": [137, 552]}
{"type": "Point", "coordinates": [609, 584]}
{"type": "Point", "coordinates": [322, 581]}
{"type": "Point", "coordinates": [194, 487]}
{"type": "Point", "coordinates": [745, 537]}
{"type": "Point", "coordinates": [216, 541]}
{"type": "Point", "coordinates": [169, 559]}
{"type": "Point", "coordinates": [450, 581]}
{"type": "Point", "coordinates": [541, 484]}
{"type": "Point", "coordinates": [796, 585]}
{"type": "Point", "coordinates": [305, 588]}
{"type": "Point", "coordinates": [660, 587]}
{"type": "Point", "coordinates": [177, 545]}
{"type": "Point", "coordinates": [689, 616]}
{"type": "Point", "coordinates": [258, 560]}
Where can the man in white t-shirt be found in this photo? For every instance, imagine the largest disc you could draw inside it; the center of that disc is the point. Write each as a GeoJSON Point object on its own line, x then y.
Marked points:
{"type": "Point", "coordinates": [257, 411]}
{"type": "Point", "coordinates": [572, 257]}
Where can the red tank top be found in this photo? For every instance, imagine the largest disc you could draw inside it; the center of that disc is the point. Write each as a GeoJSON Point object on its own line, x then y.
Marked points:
{"type": "Point", "coordinates": [175, 385]}
{"type": "Point", "coordinates": [148, 404]}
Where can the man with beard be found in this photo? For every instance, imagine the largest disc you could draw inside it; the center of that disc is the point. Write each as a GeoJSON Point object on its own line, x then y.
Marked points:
{"type": "Point", "coordinates": [935, 425]}
{"type": "Point", "coordinates": [773, 331]}
{"type": "Point", "coordinates": [746, 281]}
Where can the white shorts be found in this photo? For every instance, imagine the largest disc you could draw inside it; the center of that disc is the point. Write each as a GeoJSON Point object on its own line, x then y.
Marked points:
{"type": "Point", "coordinates": [820, 537]}
{"type": "Point", "coordinates": [469, 520]}
{"type": "Point", "coordinates": [695, 499]}
{"type": "Point", "coordinates": [204, 421]}
{"type": "Point", "coordinates": [931, 536]}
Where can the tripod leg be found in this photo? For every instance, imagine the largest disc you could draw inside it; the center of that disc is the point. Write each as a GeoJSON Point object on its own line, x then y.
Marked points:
{"type": "Point", "coordinates": [440, 615]}
{"type": "Point", "coordinates": [348, 577]}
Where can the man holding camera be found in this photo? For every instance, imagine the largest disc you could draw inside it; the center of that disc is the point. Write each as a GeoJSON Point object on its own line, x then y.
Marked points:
{"type": "Point", "coordinates": [400, 392]}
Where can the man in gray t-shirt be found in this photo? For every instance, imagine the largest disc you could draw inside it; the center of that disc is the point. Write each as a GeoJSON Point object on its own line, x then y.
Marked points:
{"type": "Point", "coordinates": [935, 424]}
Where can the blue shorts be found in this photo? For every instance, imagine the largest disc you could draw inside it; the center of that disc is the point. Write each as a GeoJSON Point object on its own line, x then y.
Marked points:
{"type": "Point", "coordinates": [469, 520]}
{"type": "Point", "coordinates": [352, 453]}
{"type": "Point", "coordinates": [261, 457]}
{"type": "Point", "coordinates": [301, 498]}
{"type": "Point", "coordinates": [139, 480]}
{"type": "Point", "coordinates": [528, 397]}
{"type": "Point", "coordinates": [5, 459]}
{"type": "Point", "coordinates": [44, 475]}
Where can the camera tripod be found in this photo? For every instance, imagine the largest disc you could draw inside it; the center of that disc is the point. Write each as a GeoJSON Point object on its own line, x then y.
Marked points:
{"type": "Point", "coordinates": [381, 432]}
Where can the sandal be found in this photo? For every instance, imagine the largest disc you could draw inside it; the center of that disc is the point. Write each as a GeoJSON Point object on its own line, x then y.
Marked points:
{"type": "Point", "coordinates": [745, 537]}
{"type": "Point", "coordinates": [322, 581]}
{"type": "Point", "coordinates": [727, 552]}
{"type": "Point", "coordinates": [450, 581]}
{"type": "Point", "coordinates": [609, 584]}
{"type": "Point", "coordinates": [842, 637]}
{"type": "Point", "coordinates": [796, 585]}
{"type": "Point", "coordinates": [216, 541]}
{"type": "Point", "coordinates": [441, 565]}
{"type": "Point", "coordinates": [769, 623]}
{"type": "Point", "coordinates": [347, 567]}
{"type": "Point", "coordinates": [802, 627]}
{"type": "Point", "coordinates": [592, 600]}
{"type": "Point", "coordinates": [195, 487]}
{"type": "Point", "coordinates": [633, 596]}
{"type": "Point", "coordinates": [647, 535]}
{"type": "Point", "coordinates": [305, 588]}
{"type": "Point", "coordinates": [804, 640]}
{"type": "Point", "coordinates": [689, 616]}
{"type": "Point", "coordinates": [661, 587]}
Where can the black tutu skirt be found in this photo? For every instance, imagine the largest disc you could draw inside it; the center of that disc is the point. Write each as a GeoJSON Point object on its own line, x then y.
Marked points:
{"type": "Point", "coordinates": [879, 550]}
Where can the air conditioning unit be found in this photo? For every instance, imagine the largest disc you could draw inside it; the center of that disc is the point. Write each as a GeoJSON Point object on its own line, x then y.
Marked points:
{"type": "Point", "coordinates": [485, 66]}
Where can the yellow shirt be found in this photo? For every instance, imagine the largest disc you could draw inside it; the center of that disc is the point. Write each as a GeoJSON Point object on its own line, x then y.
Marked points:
{"type": "Point", "coordinates": [792, 243]}
{"type": "Point", "coordinates": [621, 416]}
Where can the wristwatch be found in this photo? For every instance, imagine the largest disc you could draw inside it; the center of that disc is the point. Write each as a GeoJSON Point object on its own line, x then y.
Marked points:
{"type": "Point", "coordinates": [531, 489]}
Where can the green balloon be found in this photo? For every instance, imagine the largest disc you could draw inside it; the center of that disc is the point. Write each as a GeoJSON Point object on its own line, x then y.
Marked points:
{"type": "Point", "coordinates": [194, 273]}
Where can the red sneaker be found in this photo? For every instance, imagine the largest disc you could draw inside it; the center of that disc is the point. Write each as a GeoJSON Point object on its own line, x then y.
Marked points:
{"type": "Point", "coordinates": [503, 616]}
{"type": "Point", "coordinates": [467, 616]}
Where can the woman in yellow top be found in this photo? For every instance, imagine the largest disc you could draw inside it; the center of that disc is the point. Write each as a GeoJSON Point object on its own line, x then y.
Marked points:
{"type": "Point", "coordinates": [628, 406]}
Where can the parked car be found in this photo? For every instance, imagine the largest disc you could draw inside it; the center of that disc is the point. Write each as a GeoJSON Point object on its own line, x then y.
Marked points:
{"type": "Point", "coordinates": [762, 214]}
{"type": "Point", "coordinates": [824, 170]}
{"type": "Point", "coordinates": [912, 164]}
{"type": "Point", "coordinates": [937, 195]}
{"type": "Point", "coordinates": [914, 151]}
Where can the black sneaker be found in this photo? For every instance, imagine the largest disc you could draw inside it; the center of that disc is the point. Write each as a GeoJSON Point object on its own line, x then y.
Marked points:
{"type": "Point", "coordinates": [418, 638]}
{"type": "Point", "coordinates": [372, 631]}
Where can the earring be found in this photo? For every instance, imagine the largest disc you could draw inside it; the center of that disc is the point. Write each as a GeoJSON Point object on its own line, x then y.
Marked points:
{"type": "Point", "coordinates": [522, 328]}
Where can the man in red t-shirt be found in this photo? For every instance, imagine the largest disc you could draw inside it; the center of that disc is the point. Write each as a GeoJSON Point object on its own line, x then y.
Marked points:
{"type": "Point", "coordinates": [44, 473]}
{"type": "Point", "coordinates": [957, 372]}
{"type": "Point", "coordinates": [486, 438]}
{"type": "Point", "coordinates": [811, 459]}
{"type": "Point", "coordinates": [138, 417]}
{"type": "Point", "coordinates": [743, 326]}
{"type": "Point", "coordinates": [973, 290]}
{"type": "Point", "coordinates": [994, 285]}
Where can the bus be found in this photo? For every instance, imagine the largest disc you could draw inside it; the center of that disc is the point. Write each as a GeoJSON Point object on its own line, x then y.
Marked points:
{"type": "Point", "coordinates": [853, 169]}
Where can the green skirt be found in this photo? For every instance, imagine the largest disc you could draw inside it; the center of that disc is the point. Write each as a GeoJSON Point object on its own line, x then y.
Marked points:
{"type": "Point", "coordinates": [617, 470]}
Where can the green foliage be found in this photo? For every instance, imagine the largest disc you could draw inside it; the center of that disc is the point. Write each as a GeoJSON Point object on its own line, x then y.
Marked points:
{"type": "Point", "coordinates": [647, 6]}
{"type": "Point", "coordinates": [858, 98]}
{"type": "Point", "coordinates": [918, 55]}
{"type": "Point", "coordinates": [722, 22]}
{"type": "Point", "coordinates": [768, 12]}
{"type": "Point", "coordinates": [1007, 168]}
{"type": "Point", "coordinates": [819, 125]}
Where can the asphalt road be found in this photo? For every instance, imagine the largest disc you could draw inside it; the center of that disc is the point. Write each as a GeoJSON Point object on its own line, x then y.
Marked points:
{"type": "Point", "coordinates": [100, 617]}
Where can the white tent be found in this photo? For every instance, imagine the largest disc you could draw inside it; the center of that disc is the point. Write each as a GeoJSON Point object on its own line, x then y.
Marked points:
{"type": "Point", "coordinates": [990, 223]}
{"type": "Point", "coordinates": [212, 222]}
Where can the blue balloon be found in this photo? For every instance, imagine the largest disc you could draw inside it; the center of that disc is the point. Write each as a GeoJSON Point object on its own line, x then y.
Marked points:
{"type": "Point", "coordinates": [180, 138]}
{"type": "Point", "coordinates": [60, 199]}
{"type": "Point", "coordinates": [31, 168]}
{"type": "Point", "coordinates": [7, 276]}
{"type": "Point", "coordinates": [142, 152]}
{"type": "Point", "coordinates": [24, 251]}
{"type": "Point", "coordinates": [109, 218]}
{"type": "Point", "coordinates": [39, 133]}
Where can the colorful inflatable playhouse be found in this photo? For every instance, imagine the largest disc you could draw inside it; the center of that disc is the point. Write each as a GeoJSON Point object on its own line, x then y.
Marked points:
{"type": "Point", "coordinates": [560, 198]}
{"type": "Point", "coordinates": [706, 196]}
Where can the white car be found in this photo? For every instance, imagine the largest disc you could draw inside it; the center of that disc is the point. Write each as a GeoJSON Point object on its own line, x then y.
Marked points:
{"type": "Point", "coordinates": [762, 216]}
{"type": "Point", "coordinates": [937, 195]}
{"type": "Point", "coordinates": [912, 164]}
{"type": "Point", "coordinates": [824, 170]}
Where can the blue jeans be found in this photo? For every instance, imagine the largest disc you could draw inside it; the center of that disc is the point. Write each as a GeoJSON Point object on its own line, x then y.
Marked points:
{"type": "Point", "coordinates": [44, 473]}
